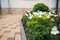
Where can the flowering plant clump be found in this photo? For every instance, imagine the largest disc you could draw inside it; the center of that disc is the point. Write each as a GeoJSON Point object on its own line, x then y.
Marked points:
{"type": "Point", "coordinates": [41, 23]}
{"type": "Point", "coordinates": [40, 26]}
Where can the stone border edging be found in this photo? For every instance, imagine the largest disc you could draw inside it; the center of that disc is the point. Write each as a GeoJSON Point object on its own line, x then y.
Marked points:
{"type": "Point", "coordinates": [23, 36]}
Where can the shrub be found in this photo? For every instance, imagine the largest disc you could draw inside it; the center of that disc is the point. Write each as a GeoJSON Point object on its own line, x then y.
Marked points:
{"type": "Point", "coordinates": [40, 7]}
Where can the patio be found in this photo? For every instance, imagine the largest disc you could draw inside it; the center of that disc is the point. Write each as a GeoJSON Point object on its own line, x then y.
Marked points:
{"type": "Point", "coordinates": [9, 27]}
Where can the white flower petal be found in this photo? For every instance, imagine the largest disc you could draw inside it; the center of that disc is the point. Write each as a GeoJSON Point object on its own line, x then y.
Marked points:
{"type": "Point", "coordinates": [54, 31]}
{"type": "Point", "coordinates": [54, 28]}
{"type": "Point", "coordinates": [41, 13]}
{"type": "Point", "coordinates": [36, 13]}
{"type": "Point", "coordinates": [44, 13]}
{"type": "Point", "coordinates": [48, 16]}
{"type": "Point", "coordinates": [30, 14]}
{"type": "Point", "coordinates": [30, 17]}
{"type": "Point", "coordinates": [55, 15]}
{"type": "Point", "coordinates": [52, 19]}
{"type": "Point", "coordinates": [26, 14]}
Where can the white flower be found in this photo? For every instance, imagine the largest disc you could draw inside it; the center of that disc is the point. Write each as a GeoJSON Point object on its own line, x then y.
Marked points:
{"type": "Point", "coordinates": [30, 14]}
{"type": "Point", "coordinates": [26, 14]}
{"type": "Point", "coordinates": [40, 13]}
{"type": "Point", "coordinates": [50, 14]}
{"type": "Point", "coordinates": [52, 19]}
{"type": "Point", "coordinates": [55, 15]}
{"type": "Point", "coordinates": [30, 17]}
{"type": "Point", "coordinates": [36, 13]}
{"type": "Point", "coordinates": [44, 13]}
{"type": "Point", "coordinates": [54, 31]}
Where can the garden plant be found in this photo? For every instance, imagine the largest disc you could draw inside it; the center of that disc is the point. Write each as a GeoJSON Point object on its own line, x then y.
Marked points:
{"type": "Point", "coordinates": [41, 24]}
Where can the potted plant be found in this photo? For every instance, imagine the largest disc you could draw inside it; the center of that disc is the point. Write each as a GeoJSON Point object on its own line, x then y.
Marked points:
{"type": "Point", "coordinates": [40, 25]}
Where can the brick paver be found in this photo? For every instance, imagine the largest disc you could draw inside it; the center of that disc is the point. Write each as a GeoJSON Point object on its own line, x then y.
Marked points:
{"type": "Point", "coordinates": [10, 27]}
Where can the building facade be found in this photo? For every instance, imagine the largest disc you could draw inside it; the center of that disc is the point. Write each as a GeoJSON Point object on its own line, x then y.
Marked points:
{"type": "Point", "coordinates": [22, 5]}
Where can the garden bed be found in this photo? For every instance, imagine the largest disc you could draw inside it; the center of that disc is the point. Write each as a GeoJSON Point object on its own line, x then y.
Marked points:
{"type": "Point", "coordinates": [40, 24]}
{"type": "Point", "coordinates": [23, 36]}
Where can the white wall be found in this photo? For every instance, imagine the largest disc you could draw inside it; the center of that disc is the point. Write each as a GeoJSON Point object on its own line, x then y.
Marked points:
{"type": "Point", "coordinates": [27, 4]}
{"type": "Point", "coordinates": [52, 3]}
{"type": "Point", "coordinates": [4, 3]}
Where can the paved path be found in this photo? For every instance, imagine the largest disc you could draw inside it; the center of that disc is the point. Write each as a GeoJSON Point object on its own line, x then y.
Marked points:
{"type": "Point", "coordinates": [10, 27]}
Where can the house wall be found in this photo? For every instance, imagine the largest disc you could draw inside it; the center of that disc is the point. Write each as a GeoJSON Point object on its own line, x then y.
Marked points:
{"type": "Point", "coordinates": [21, 6]}
{"type": "Point", "coordinates": [4, 3]}
{"type": "Point", "coordinates": [26, 3]}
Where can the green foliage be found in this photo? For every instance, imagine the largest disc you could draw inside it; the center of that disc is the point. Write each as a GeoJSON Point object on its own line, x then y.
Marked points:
{"type": "Point", "coordinates": [25, 19]}
{"type": "Point", "coordinates": [40, 7]}
{"type": "Point", "coordinates": [39, 26]}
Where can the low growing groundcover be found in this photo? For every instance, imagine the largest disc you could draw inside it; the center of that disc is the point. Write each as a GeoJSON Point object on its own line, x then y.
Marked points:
{"type": "Point", "coordinates": [41, 25]}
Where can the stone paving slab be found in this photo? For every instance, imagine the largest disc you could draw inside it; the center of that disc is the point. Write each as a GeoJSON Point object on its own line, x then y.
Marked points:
{"type": "Point", "coordinates": [10, 27]}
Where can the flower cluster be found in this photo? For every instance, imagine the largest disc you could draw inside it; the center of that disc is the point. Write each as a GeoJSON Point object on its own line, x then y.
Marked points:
{"type": "Point", "coordinates": [40, 13]}
{"type": "Point", "coordinates": [54, 30]}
